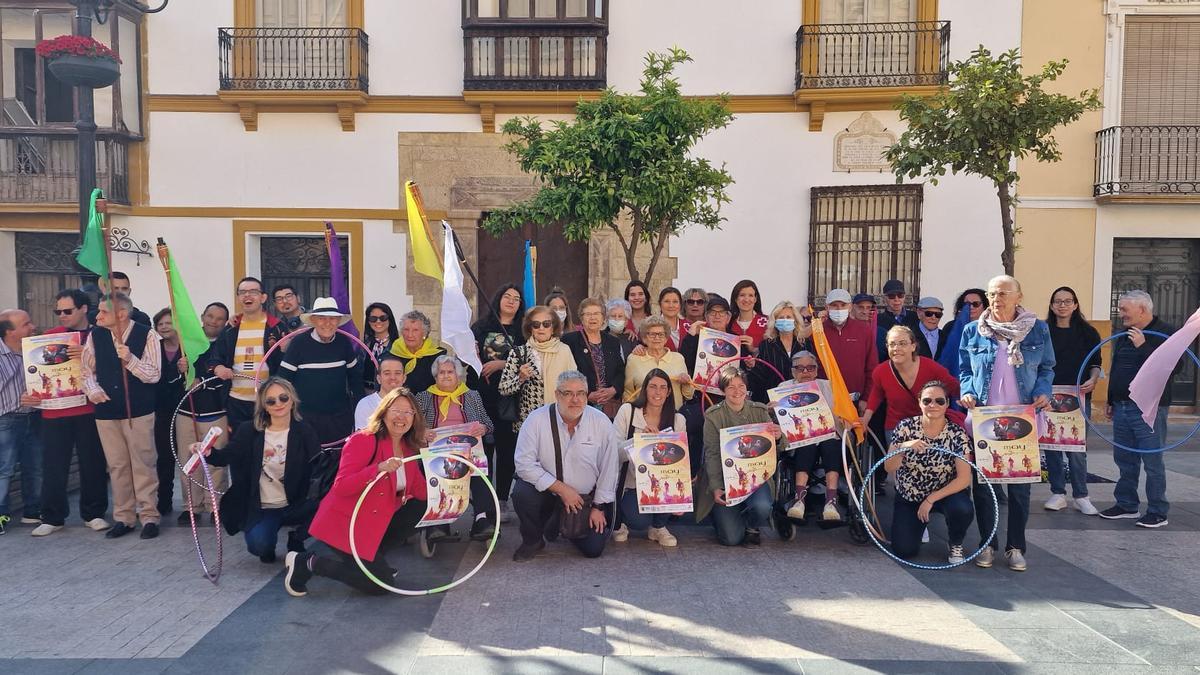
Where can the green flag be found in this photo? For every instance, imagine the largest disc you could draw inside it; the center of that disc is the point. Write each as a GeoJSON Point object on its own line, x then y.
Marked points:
{"type": "Point", "coordinates": [187, 321]}
{"type": "Point", "coordinates": [92, 254]}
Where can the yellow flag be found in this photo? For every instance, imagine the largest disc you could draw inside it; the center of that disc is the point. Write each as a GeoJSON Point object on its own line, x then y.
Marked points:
{"type": "Point", "coordinates": [425, 258]}
{"type": "Point", "coordinates": [843, 407]}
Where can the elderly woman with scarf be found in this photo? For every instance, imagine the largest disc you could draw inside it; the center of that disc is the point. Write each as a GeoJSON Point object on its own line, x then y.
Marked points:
{"type": "Point", "coordinates": [448, 402]}
{"type": "Point", "coordinates": [416, 350]}
{"type": "Point", "coordinates": [1006, 358]}
{"type": "Point", "coordinates": [532, 369]}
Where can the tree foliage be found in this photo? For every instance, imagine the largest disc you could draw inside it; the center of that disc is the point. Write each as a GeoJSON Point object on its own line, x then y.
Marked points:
{"type": "Point", "coordinates": [990, 115]}
{"type": "Point", "coordinates": [623, 154]}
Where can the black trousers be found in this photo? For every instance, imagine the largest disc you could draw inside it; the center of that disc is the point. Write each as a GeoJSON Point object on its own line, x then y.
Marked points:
{"type": "Point", "coordinates": [330, 427]}
{"type": "Point", "coordinates": [502, 458]}
{"type": "Point", "coordinates": [907, 527]}
{"type": "Point", "coordinates": [166, 461]}
{"type": "Point", "coordinates": [60, 437]}
{"type": "Point", "coordinates": [236, 412]}
{"type": "Point", "coordinates": [537, 509]}
{"type": "Point", "coordinates": [341, 566]}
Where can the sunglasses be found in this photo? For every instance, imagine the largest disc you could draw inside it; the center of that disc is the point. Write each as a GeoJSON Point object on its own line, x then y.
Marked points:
{"type": "Point", "coordinates": [548, 323]}
{"type": "Point", "coordinates": [377, 319]}
{"type": "Point", "coordinates": [64, 312]}
{"type": "Point", "coordinates": [933, 314]}
{"type": "Point", "coordinates": [694, 302]}
{"type": "Point", "coordinates": [283, 398]}
{"type": "Point", "coordinates": [973, 303]}
{"type": "Point", "coordinates": [893, 296]}
{"type": "Point", "coordinates": [933, 401]}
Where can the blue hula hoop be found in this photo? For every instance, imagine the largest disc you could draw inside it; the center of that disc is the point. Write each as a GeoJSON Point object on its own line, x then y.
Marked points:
{"type": "Point", "coordinates": [862, 495]}
{"type": "Point", "coordinates": [1096, 430]}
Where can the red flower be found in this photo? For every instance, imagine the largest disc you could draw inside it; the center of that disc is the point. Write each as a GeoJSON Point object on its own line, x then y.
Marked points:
{"type": "Point", "coordinates": [75, 45]}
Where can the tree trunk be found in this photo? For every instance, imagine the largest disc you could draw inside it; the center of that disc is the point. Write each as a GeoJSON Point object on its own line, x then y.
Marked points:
{"type": "Point", "coordinates": [659, 243]}
{"type": "Point", "coordinates": [630, 246]}
{"type": "Point", "coordinates": [1009, 255]}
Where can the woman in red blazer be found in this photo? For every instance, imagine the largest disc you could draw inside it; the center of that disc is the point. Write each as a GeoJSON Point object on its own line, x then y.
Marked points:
{"type": "Point", "coordinates": [390, 512]}
{"type": "Point", "coordinates": [899, 380]}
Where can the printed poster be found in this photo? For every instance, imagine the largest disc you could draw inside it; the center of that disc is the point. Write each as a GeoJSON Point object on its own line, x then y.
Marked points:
{"type": "Point", "coordinates": [803, 413]}
{"type": "Point", "coordinates": [663, 472]}
{"type": "Point", "coordinates": [747, 460]}
{"type": "Point", "coordinates": [1006, 446]}
{"type": "Point", "coordinates": [457, 434]}
{"type": "Point", "coordinates": [448, 478]}
{"type": "Point", "coordinates": [50, 374]}
{"type": "Point", "coordinates": [1066, 430]}
{"type": "Point", "coordinates": [714, 349]}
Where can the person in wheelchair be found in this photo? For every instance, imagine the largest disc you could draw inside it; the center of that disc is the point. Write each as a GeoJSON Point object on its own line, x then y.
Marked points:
{"type": "Point", "coordinates": [928, 481]}
{"type": "Point", "coordinates": [803, 460]}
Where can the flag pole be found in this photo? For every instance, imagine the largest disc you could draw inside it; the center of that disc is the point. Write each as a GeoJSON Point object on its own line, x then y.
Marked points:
{"type": "Point", "coordinates": [164, 257]}
{"type": "Point", "coordinates": [462, 260]}
{"type": "Point", "coordinates": [102, 209]}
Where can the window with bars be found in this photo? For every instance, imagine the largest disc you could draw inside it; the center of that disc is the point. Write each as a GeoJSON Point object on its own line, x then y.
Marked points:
{"type": "Point", "coordinates": [862, 235]}
{"type": "Point", "coordinates": [534, 44]}
{"type": "Point", "coordinates": [1161, 71]}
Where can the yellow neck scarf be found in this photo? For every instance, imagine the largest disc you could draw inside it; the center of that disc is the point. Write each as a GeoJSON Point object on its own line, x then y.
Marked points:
{"type": "Point", "coordinates": [400, 349]}
{"type": "Point", "coordinates": [445, 398]}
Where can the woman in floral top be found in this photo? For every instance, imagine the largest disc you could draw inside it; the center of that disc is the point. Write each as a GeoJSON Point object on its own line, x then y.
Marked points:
{"type": "Point", "coordinates": [928, 481]}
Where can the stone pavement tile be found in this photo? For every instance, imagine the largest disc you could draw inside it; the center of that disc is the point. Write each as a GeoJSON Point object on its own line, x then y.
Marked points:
{"type": "Point", "coordinates": [687, 665]}
{"type": "Point", "coordinates": [1064, 645]}
{"type": "Point", "coordinates": [1154, 636]}
{"type": "Point", "coordinates": [861, 667]}
{"type": "Point", "coordinates": [520, 665]}
{"type": "Point", "coordinates": [125, 667]}
{"type": "Point", "coordinates": [1091, 669]}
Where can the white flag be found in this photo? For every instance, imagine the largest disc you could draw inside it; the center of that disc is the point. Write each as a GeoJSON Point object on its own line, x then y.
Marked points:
{"type": "Point", "coordinates": [456, 312]}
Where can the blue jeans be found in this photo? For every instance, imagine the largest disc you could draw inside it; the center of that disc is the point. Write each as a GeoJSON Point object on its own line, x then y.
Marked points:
{"type": "Point", "coordinates": [731, 522]}
{"type": "Point", "coordinates": [263, 525]}
{"type": "Point", "coordinates": [1130, 429]}
{"type": "Point", "coordinates": [21, 440]}
{"type": "Point", "coordinates": [639, 521]}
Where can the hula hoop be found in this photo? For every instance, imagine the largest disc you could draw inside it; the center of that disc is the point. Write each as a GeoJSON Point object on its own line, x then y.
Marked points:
{"type": "Point", "coordinates": [216, 514]}
{"type": "Point", "coordinates": [402, 591]}
{"type": "Point", "coordinates": [867, 480]}
{"type": "Point", "coordinates": [947, 566]}
{"type": "Point", "coordinates": [1091, 425]}
{"type": "Point", "coordinates": [708, 382]}
{"type": "Point", "coordinates": [210, 488]}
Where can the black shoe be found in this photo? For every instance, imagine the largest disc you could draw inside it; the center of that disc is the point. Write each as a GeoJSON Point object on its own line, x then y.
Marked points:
{"type": "Point", "coordinates": [1115, 512]}
{"type": "Point", "coordinates": [753, 538]}
{"type": "Point", "coordinates": [295, 581]}
{"type": "Point", "coordinates": [267, 558]}
{"type": "Point", "coordinates": [165, 510]}
{"type": "Point", "coordinates": [119, 530]}
{"type": "Point", "coordinates": [185, 519]}
{"type": "Point", "coordinates": [149, 531]}
{"type": "Point", "coordinates": [295, 543]}
{"type": "Point", "coordinates": [483, 528]}
{"type": "Point", "coordinates": [1152, 520]}
{"type": "Point", "coordinates": [526, 552]}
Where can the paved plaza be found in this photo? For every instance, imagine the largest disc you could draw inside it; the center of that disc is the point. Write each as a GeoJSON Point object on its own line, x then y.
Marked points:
{"type": "Point", "coordinates": [1099, 597]}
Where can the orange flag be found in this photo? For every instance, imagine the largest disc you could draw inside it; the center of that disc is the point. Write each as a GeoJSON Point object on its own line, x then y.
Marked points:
{"type": "Point", "coordinates": [843, 407]}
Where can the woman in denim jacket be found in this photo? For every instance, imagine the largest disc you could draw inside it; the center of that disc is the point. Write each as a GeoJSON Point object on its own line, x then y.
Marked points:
{"type": "Point", "coordinates": [1005, 358]}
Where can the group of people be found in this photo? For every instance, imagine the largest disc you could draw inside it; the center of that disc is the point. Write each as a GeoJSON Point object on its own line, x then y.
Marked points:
{"type": "Point", "coordinates": [311, 418]}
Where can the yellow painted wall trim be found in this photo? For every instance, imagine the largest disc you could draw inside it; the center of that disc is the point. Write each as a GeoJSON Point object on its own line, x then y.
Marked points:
{"type": "Point", "coordinates": [39, 221]}
{"type": "Point", "coordinates": [1149, 199]}
{"type": "Point", "coordinates": [276, 212]}
{"type": "Point", "coordinates": [820, 101]}
{"type": "Point", "coordinates": [250, 103]}
{"type": "Point", "coordinates": [33, 209]}
{"type": "Point", "coordinates": [353, 229]}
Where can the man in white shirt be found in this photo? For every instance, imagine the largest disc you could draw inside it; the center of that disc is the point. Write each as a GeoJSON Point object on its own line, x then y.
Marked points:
{"type": "Point", "coordinates": [390, 377]}
{"type": "Point", "coordinates": [589, 465]}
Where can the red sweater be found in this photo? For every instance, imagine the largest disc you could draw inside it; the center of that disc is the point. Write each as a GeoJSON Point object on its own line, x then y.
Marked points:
{"type": "Point", "coordinates": [757, 330]}
{"type": "Point", "coordinates": [854, 348]}
{"type": "Point", "coordinates": [901, 403]}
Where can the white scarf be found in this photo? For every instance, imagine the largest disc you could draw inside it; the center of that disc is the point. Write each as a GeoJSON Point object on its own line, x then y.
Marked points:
{"type": "Point", "coordinates": [1011, 331]}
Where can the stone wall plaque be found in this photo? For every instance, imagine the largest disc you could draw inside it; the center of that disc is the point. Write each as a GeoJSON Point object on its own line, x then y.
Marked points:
{"type": "Point", "coordinates": [861, 145]}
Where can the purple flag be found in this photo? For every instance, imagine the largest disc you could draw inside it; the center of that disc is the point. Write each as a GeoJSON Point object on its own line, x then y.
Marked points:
{"type": "Point", "coordinates": [1147, 387]}
{"type": "Point", "coordinates": [337, 283]}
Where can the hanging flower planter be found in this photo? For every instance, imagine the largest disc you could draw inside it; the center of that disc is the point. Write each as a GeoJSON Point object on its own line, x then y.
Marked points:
{"type": "Point", "coordinates": [80, 61]}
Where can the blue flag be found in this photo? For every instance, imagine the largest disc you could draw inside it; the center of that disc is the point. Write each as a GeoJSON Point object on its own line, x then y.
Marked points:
{"type": "Point", "coordinates": [527, 288]}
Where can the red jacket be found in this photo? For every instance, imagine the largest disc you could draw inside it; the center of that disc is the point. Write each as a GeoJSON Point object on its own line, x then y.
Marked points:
{"type": "Point", "coordinates": [901, 403]}
{"type": "Point", "coordinates": [854, 348]}
{"type": "Point", "coordinates": [359, 466]}
{"type": "Point", "coordinates": [757, 330]}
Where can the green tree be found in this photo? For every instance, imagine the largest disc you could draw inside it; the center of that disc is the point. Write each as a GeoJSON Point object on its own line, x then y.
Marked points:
{"type": "Point", "coordinates": [623, 154]}
{"type": "Point", "coordinates": [989, 116]}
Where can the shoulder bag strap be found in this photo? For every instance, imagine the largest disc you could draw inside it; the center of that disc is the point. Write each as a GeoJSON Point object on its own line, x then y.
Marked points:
{"type": "Point", "coordinates": [903, 386]}
{"type": "Point", "coordinates": [558, 470]}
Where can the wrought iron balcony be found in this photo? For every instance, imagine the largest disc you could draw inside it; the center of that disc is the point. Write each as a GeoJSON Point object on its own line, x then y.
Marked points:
{"type": "Point", "coordinates": [41, 166]}
{"type": "Point", "coordinates": [1148, 160]}
{"type": "Point", "coordinates": [872, 54]}
{"type": "Point", "coordinates": [522, 56]}
{"type": "Point", "coordinates": [293, 59]}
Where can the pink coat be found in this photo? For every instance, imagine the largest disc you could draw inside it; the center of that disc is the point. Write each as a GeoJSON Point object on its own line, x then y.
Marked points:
{"type": "Point", "coordinates": [359, 466]}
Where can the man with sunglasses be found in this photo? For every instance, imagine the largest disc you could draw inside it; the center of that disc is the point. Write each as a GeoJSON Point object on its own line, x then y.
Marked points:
{"type": "Point", "coordinates": [240, 350]}
{"type": "Point", "coordinates": [932, 335]}
{"type": "Point", "coordinates": [894, 313]}
{"type": "Point", "coordinates": [72, 430]}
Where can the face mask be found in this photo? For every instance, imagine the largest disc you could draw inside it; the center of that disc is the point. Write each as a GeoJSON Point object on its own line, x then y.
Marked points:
{"type": "Point", "coordinates": [839, 316]}
{"type": "Point", "coordinates": [616, 325]}
{"type": "Point", "coordinates": [562, 315]}
{"type": "Point", "coordinates": [785, 325]}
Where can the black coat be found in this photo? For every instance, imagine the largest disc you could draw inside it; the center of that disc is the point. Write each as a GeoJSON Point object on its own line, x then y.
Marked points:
{"type": "Point", "coordinates": [772, 351]}
{"type": "Point", "coordinates": [244, 457]}
{"type": "Point", "coordinates": [614, 361]}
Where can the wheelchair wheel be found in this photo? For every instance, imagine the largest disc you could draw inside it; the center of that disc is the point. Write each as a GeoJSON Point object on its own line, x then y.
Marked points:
{"type": "Point", "coordinates": [424, 545]}
{"type": "Point", "coordinates": [786, 529]}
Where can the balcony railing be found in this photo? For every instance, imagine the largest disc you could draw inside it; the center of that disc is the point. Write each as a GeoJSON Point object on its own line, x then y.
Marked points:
{"type": "Point", "coordinates": [569, 56]}
{"type": "Point", "coordinates": [1148, 160]}
{"type": "Point", "coordinates": [872, 54]}
{"type": "Point", "coordinates": [293, 59]}
{"type": "Point", "coordinates": [42, 166]}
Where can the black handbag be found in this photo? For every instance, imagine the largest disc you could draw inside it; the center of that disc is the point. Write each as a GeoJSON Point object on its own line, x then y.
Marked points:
{"type": "Point", "coordinates": [571, 525]}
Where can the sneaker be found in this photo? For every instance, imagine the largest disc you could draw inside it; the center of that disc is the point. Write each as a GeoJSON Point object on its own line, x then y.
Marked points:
{"type": "Point", "coordinates": [1016, 560]}
{"type": "Point", "coordinates": [621, 533]}
{"type": "Point", "coordinates": [149, 531]}
{"type": "Point", "coordinates": [831, 513]}
{"type": "Point", "coordinates": [483, 528]}
{"type": "Point", "coordinates": [1115, 512]}
{"type": "Point", "coordinates": [925, 536]}
{"type": "Point", "coordinates": [1085, 506]}
{"type": "Point", "coordinates": [295, 542]}
{"type": "Point", "coordinates": [4, 524]}
{"type": "Point", "coordinates": [956, 555]}
{"type": "Point", "coordinates": [1152, 520]}
{"type": "Point", "coordinates": [985, 557]}
{"type": "Point", "coordinates": [753, 538]}
{"type": "Point", "coordinates": [45, 529]}
{"type": "Point", "coordinates": [296, 578]}
{"type": "Point", "coordinates": [30, 520]}
{"type": "Point", "coordinates": [662, 536]}
{"type": "Point", "coordinates": [97, 524]}
{"type": "Point", "coordinates": [526, 552]}
{"type": "Point", "coordinates": [795, 510]}
{"type": "Point", "coordinates": [1056, 503]}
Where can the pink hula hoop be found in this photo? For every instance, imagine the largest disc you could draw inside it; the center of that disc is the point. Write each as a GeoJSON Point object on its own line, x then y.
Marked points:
{"type": "Point", "coordinates": [708, 383]}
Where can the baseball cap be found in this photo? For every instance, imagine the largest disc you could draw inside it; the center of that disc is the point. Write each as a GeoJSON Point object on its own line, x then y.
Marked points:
{"type": "Point", "coordinates": [863, 297]}
{"type": "Point", "coordinates": [838, 295]}
{"type": "Point", "coordinates": [893, 286]}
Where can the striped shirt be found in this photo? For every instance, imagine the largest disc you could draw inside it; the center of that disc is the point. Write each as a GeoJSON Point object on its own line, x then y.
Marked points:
{"type": "Point", "coordinates": [148, 368]}
{"type": "Point", "coordinates": [247, 355]}
{"type": "Point", "coordinates": [12, 380]}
